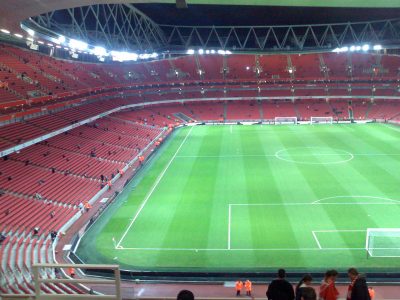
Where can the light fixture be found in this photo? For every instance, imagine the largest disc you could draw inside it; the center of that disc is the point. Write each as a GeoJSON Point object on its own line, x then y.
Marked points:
{"type": "Point", "coordinates": [377, 47]}
{"type": "Point", "coordinates": [99, 51]}
{"type": "Point", "coordinates": [365, 47]}
{"type": "Point", "coordinates": [41, 42]}
{"type": "Point", "coordinates": [61, 39]}
{"type": "Point", "coordinates": [18, 35]}
{"type": "Point", "coordinates": [5, 31]}
{"type": "Point", "coordinates": [190, 51]}
{"type": "Point", "coordinates": [201, 51]}
{"type": "Point", "coordinates": [30, 32]}
{"type": "Point", "coordinates": [79, 45]}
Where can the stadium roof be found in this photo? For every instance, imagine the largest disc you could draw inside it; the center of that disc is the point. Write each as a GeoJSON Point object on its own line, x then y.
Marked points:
{"type": "Point", "coordinates": [13, 12]}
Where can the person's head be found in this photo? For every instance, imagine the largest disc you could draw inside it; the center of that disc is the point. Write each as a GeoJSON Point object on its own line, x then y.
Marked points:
{"type": "Point", "coordinates": [306, 279]}
{"type": "Point", "coordinates": [352, 273]}
{"type": "Point", "coordinates": [281, 273]}
{"type": "Point", "coordinates": [331, 275]}
{"type": "Point", "coordinates": [308, 293]}
{"type": "Point", "coordinates": [185, 295]}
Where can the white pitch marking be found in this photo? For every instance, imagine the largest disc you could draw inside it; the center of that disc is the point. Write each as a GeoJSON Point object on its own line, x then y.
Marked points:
{"type": "Point", "coordinates": [229, 227]}
{"type": "Point", "coordinates": [231, 128]}
{"type": "Point", "coordinates": [153, 188]}
{"type": "Point", "coordinates": [316, 239]}
{"type": "Point", "coordinates": [273, 155]}
{"type": "Point", "coordinates": [341, 230]}
{"type": "Point", "coordinates": [312, 203]}
{"type": "Point", "coordinates": [244, 249]}
{"type": "Point", "coordinates": [361, 197]}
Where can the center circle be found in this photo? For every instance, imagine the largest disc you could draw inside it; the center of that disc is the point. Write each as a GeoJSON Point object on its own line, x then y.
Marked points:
{"type": "Point", "coordinates": [314, 155]}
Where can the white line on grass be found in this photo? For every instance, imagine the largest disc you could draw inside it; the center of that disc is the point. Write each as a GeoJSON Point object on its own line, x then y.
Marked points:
{"type": "Point", "coordinates": [231, 128]}
{"type": "Point", "coordinates": [152, 189]}
{"type": "Point", "coordinates": [244, 249]}
{"type": "Point", "coordinates": [293, 155]}
{"type": "Point", "coordinates": [307, 203]}
{"type": "Point", "coordinates": [316, 240]}
{"type": "Point", "coordinates": [229, 227]}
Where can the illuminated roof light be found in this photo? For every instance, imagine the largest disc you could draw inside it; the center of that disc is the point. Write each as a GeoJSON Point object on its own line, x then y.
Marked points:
{"type": "Point", "coordinates": [353, 48]}
{"type": "Point", "coordinates": [29, 39]}
{"type": "Point", "coordinates": [51, 45]}
{"type": "Point", "coordinates": [358, 48]}
{"type": "Point", "coordinates": [365, 47]}
{"type": "Point", "coordinates": [41, 42]}
{"type": "Point", "coordinates": [99, 51]}
{"type": "Point", "coordinates": [227, 52]}
{"type": "Point", "coordinates": [18, 35]}
{"type": "Point", "coordinates": [58, 46]}
{"type": "Point", "coordinates": [377, 47]}
{"type": "Point", "coordinates": [222, 52]}
{"type": "Point", "coordinates": [190, 51]}
{"type": "Point", "coordinates": [5, 31]}
{"type": "Point", "coordinates": [79, 45]}
{"type": "Point", "coordinates": [207, 51]}
{"type": "Point", "coordinates": [201, 51]}
{"type": "Point", "coordinates": [344, 49]}
{"type": "Point", "coordinates": [247, 68]}
{"type": "Point", "coordinates": [213, 51]}
{"type": "Point", "coordinates": [61, 39]}
{"type": "Point", "coordinates": [123, 56]}
{"type": "Point", "coordinates": [30, 32]}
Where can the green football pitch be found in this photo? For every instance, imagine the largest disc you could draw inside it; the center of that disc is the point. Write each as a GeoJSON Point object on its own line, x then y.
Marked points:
{"type": "Point", "coordinates": [256, 198]}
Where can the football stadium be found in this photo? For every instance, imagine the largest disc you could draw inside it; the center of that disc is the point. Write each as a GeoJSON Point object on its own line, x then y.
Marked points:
{"type": "Point", "coordinates": [196, 149]}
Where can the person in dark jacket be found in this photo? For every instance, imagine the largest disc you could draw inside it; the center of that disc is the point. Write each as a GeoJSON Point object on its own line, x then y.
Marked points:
{"type": "Point", "coordinates": [303, 284]}
{"type": "Point", "coordinates": [280, 288]}
{"type": "Point", "coordinates": [358, 288]}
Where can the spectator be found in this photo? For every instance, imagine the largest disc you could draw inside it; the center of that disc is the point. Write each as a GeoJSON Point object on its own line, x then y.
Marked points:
{"type": "Point", "coordinates": [52, 214]}
{"type": "Point", "coordinates": [2, 238]}
{"type": "Point", "coordinates": [38, 196]}
{"type": "Point", "coordinates": [303, 284]}
{"type": "Point", "coordinates": [358, 289]}
{"type": "Point", "coordinates": [102, 177]}
{"type": "Point", "coordinates": [7, 212]}
{"type": "Point", "coordinates": [185, 295]}
{"type": "Point", "coordinates": [280, 288]}
{"type": "Point", "coordinates": [53, 235]}
{"type": "Point", "coordinates": [80, 206]}
{"type": "Point", "coordinates": [328, 290]}
{"type": "Point", "coordinates": [36, 230]}
{"type": "Point", "coordinates": [308, 293]}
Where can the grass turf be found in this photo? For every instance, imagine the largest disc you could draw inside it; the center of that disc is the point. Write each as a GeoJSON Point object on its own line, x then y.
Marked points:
{"type": "Point", "coordinates": [256, 198]}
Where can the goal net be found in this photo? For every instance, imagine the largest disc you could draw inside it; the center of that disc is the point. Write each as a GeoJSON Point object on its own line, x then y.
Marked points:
{"type": "Point", "coordinates": [321, 120]}
{"type": "Point", "coordinates": [383, 242]}
{"type": "Point", "coordinates": [285, 120]}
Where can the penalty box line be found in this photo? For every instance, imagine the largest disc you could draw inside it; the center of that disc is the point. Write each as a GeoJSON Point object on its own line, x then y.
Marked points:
{"type": "Point", "coordinates": [315, 235]}
{"type": "Point", "coordinates": [160, 176]}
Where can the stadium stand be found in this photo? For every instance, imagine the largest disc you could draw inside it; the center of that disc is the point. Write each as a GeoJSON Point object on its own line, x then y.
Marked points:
{"type": "Point", "coordinates": [36, 180]}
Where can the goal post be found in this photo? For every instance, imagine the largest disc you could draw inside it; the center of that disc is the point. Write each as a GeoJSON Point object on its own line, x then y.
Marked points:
{"type": "Point", "coordinates": [285, 120]}
{"type": "Point", "coordinates": [383, 242]}
{"type": "Point", "coordinates": [321, 120]}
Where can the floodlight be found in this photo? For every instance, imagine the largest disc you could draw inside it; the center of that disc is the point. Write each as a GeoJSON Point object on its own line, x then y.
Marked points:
{"type": "Point", "coordinates": [5, 31]}
{"type": "Point", "coordinates": [30, 32]}
{"type": "Point", "coordinates": [79, 45]}
{"type": "Point", "coordinates": [377, 47]}
{"type": "Point", "coordinates": [99, 51]}
{"type": "Point", "coordinates": [365, 47]}
{"type": "Point", "coordinates": [61, 39]}
{"type": "Point", "coordinates": [18, 35]}
{"type": "Point", "coordinates": [190, 51]}
{"type": "Point", "coordinates": [201, 51]}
